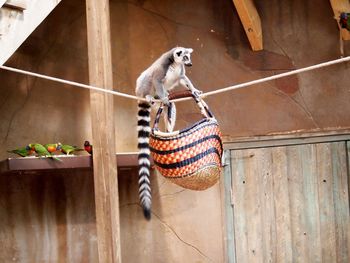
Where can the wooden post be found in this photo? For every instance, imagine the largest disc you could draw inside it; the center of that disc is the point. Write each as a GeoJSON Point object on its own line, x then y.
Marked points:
{"type": "Point", "coordinates": [104, 160]}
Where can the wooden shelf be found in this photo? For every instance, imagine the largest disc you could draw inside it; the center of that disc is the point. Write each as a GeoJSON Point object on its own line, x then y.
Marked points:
{"type": "Point", "coordinates": [67, 162]}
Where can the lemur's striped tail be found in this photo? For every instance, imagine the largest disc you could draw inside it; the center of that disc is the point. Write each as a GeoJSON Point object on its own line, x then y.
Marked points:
{"type": "Point", "coordinates": [144, 130]}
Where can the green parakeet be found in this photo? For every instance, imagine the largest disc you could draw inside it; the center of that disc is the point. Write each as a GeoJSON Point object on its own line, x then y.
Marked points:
{"type": "Point", "coordinates": [68, 149]}
{"type": "Point", "coordinates": [24, 151]}
{"type": "Point", "coordinates": [41, 150]}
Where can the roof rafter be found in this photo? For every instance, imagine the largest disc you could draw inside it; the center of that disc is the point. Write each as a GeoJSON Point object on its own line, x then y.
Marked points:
{"type": "Point", "coordinates": [251, 22]}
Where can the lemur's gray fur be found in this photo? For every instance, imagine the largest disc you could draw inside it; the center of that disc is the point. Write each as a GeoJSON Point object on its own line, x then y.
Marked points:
{"type": "Point", "coordinates": [166, 73]}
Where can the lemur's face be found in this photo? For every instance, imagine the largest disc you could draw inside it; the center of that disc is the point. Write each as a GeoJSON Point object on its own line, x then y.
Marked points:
{"type": "Point", "coordinates": [183, 55]}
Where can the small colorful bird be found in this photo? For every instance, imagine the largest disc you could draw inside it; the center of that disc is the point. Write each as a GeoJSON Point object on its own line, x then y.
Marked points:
{"type": "Point", "coordinates": [88, 147]}
{"type": "Point", "coordinates": [68, 149]}
{"type": "Point", "coordinates": [24, 151]}
{"type": "Point", "coordinates": [344, 20]}
{"type": "Point", "coordinates": [51, 147]}
{"type": "Point", "coordinates": [40, 150]}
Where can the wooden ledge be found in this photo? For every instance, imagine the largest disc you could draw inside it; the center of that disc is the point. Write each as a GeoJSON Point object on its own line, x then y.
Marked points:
{"type": "Point", "coordinates": [33, 163]}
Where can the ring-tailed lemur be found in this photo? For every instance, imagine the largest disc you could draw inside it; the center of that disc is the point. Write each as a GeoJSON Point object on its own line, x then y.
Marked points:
{"type": "Point", "coordinates": [164, 74]}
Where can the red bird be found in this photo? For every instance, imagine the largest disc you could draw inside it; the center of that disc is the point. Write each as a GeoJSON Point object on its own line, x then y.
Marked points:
{"type": "Point", "coordinates": [88, 147]}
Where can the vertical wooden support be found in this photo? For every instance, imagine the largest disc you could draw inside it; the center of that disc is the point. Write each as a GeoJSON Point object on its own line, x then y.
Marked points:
{"type": "Point", "coordinates": [104, 160]}
{"type": "Point", "coordinates": [251, 22]}
{"type": "Point", "coordinates": [228, 207]}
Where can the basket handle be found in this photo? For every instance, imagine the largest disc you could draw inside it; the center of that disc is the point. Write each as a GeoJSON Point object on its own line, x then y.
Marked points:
{"type": "Point", "coordinates": [204, 108]}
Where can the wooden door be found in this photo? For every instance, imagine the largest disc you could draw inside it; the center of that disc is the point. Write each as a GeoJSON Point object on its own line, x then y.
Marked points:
{"type": "Point", "coordinates": [289, 204]}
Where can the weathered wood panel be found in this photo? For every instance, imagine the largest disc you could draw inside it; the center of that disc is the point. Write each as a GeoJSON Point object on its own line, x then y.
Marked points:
{"type": "Point", "coordinates": [291, 203]}
{"type": "Point", "coordinates": [48, 218]}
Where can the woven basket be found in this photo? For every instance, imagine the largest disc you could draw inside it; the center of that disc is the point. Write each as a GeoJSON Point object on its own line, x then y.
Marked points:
{"type": "Point", "coordinates": [190, 158]}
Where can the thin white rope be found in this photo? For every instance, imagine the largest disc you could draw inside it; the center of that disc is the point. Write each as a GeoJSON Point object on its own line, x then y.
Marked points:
{"type": "Point", "coordinates": [282, 75]}
{"type": "Point", "coordinates": [210, 93]}
{"type": "Point", "coordinates": [73, 83]}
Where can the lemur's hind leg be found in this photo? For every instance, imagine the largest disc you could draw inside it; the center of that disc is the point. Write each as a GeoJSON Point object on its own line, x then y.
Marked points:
{"type": "Point", "coordinates": [161, 92]}
{"type": "Point", "coordinates": [170, 117]}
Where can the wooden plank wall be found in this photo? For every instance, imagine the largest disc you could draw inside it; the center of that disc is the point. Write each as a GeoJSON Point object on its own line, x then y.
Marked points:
{"type": "Point", "coordinates": [291, 203]}
{"type": "Point", "coordinates": [48, 217]}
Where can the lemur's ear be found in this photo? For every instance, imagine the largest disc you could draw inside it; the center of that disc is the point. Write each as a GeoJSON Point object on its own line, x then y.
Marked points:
{"type": "Point", "coordinates": [178, 53]}
{"type": "Point", "coordinates": [190, 50]}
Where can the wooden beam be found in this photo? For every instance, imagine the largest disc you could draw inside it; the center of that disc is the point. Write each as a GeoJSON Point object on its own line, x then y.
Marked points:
{"type": "Point", "coordinates": [2, 2]}
{"type": "Point", "coordinates": [338, 7]}
{"type": "Point", "coordinates": [16, 4]}
{"type": "Point", "coordinates": [251, 22]}
{"type": "Point", "coordinates": [102, 112]}
{"type": "Point", "coordinates": [15, 26]}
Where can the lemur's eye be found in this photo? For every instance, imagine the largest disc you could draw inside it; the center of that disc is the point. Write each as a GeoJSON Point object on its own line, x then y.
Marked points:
{"type": "Point", "coordinates": [185, 57]}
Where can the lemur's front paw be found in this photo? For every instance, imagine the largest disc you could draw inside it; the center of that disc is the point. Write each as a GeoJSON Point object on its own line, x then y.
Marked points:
{"type": "Point", "coordinates": [165, 101]}
{"type": "Point", "coordinates": [197, 92]}
{"type": "Point", "coordinates": [150, 99]}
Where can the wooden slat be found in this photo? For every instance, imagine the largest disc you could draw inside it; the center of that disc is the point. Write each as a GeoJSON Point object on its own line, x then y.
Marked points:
{"type": "Point", "coordinates": [241, 219]}
{"type": "Point", "coordinates": [338, 7]}
{"type": "Point", "coordinates": [341, 200]}
{"type": "Point", "coordinates": [228, 208]}
{"type": "Point", "coordinates": [246, 187]}
{"type": "Point", "coordinates": [17, 4]}
{"type": "Point", "coordinates": [297, 206]}
{"type": "Point", "coordinates": [265, 180]}
{"type": "Point", "coordinates": [282, 215]}
{"type": "Point", "coordinates": [309, 184]}
{"type": "Point", "coordinates": [105, 168]}
{"type": "Point", "coordinates": [326, 202]}
{"type": "Point", "coordinates": [251, 22]}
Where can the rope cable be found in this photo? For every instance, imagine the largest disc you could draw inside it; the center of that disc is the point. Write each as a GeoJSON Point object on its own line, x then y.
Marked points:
{"type": "Point", "coordinates": [73, 83]}
{"type": "Point", "coordinates": [203, 95]}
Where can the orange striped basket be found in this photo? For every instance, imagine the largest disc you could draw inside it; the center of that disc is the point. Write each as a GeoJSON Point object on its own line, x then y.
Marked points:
{"type": "Point", "coordinates": [190, 157]}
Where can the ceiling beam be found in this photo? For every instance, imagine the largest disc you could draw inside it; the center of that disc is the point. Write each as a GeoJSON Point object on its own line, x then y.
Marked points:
{"type": "Point", "coordinates": [2, 2]}
{"type": "Point", "coordinates": [16, 4]}
{"type": "Point", "coordinates": [251, 22]}
{"type": "Point", "coordinates": [16, 26]}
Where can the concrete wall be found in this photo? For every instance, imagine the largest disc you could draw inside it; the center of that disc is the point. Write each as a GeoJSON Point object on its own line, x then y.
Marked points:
{"type": "Point", "coordinates": [295, 35]}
